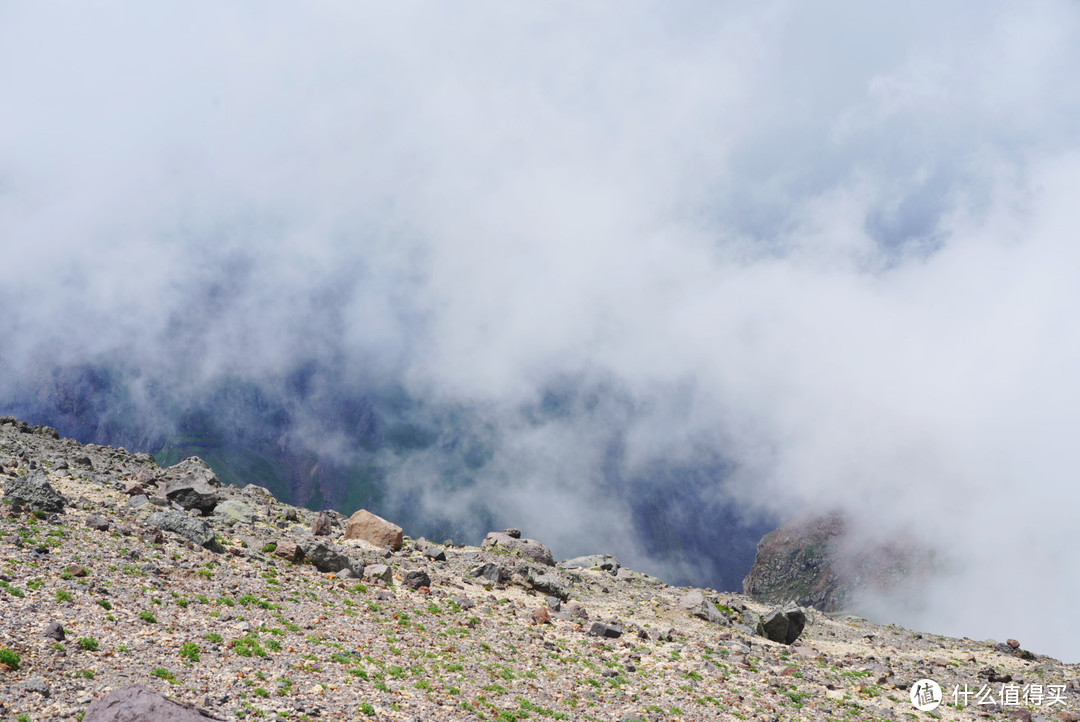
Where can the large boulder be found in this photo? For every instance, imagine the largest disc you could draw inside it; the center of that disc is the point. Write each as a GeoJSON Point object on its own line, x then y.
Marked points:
{"type": "Point", "coordinates": [193, 485]}
{"type": "Point", "coordinates": [34, 492]}
{"type": "Point", "coordinates": [374, 530]}
{"type": "Point", "coordinates": [140, 704]}
{"type": "Point", "coordinates": [783, 624]}
{"type": "Point", "coordinates": [530, 549]}
{"type": "Point", "coordinates": [194, 530]}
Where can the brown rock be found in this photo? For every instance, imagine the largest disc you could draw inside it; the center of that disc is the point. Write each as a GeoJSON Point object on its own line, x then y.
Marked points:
{"type": "Point", "coordinates": [139, 704]}
{"type": "Point", "coordinates": [374, 530]}
{"type": "Point", "coordinates": [76, 571]}
{"type": "Point", "coordinates": [1012, 643]}
{"type": "Point", "coordinates": [322, 525]}
{"type": "Point", "coordinates": [541, 615]}
{"type": "Point", "coordinates": [289, 550]}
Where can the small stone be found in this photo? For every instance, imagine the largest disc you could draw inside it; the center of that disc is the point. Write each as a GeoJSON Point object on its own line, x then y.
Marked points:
{"type": "Point", "coordinates": [97, 522]}
{"type": "Point", "coordinates": [55, 630]}
{"type": "Point", "coordinates": [380, 572]}
{"type": "Point", "coordinates": [76, 571]}
{"type": "Point", "coordinates": [435, 553]}
{"type": "Point", "coordinates": [540, 615]}
{"type": "Point", "coordinates": [289, 550]}
{"type": "Point", "coordinates": [610, 631]}
{"type": "Point", "coordinates": [1013, 643]}
{"type": "Point", "coordinates": [513, 533]}
{"type": "Point", "coordinates": [37, 684]}
{"type": "Point", "coordinates": [416, 579]}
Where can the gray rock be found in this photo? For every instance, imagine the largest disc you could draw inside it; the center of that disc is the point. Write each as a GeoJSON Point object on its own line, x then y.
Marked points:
{"type": "Point", "coordinates": [379, 571]}
{"type": "Point", "coordinates": [513, 533]}
{"type": "Point", "coordinates": [546, 582]}
{"type": "Point", "coordinates": [34, 492]}
{"type": "Point", "coordinates": [435, 553]}
{"type": "Point", "coordinates": [194, 530]}
{"type": "Point", "coordinates": [193, 485]}
{"type": "Point", "coordinates": [97, 522]}
{"type": "Point", "coordinates": [603, 561]}
{"type": "Point", "coordinates": [783, 625]}
{"type": "Point", "coordinates": [37, 684]}
{"type": "Point", "coordinates": [139, 704]}
{"type": "Point", "coordinates": [708, 611]}
{"type": "Point", "coordinates": [530, 549]}
{"type": "Point", "coordinates": [611, 631]}
{"type": "Point", "coordinates": [491, 572]}
{"type": "Point", "coordinates": [416, 579]}
{"type": "Point", "coordinates": [137, 501]}
{"type": "Point", "coordinates": [55, 630]}
{"type": "Point", "coordinates": [325, 556]}
{"type": "Point", "coordinates": [234, 511]}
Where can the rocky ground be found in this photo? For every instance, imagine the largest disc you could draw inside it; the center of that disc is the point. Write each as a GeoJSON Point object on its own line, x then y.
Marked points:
{"type": "Point", "coordinates": [247, 607]}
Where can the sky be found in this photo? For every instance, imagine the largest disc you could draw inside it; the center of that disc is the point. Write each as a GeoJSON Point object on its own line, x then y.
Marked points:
{"type": "Point", "coordinates": [832, 244]}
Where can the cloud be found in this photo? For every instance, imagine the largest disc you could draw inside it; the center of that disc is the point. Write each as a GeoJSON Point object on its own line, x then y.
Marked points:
{"type": "Point", "coordinates": [821, 253]}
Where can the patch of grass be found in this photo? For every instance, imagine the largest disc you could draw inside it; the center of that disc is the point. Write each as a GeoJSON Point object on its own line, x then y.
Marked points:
{"type": "Point", "coordinates": [104, 604]}
{"type": "Point", "coordinates": [62, 595]}
{"type": "Point", "coordinates": [89, 644]}
{"type": "Point", "coordinates": [190, 651]}
{"type": "Point", "coordinates": [214, 637]}
{"type": "Point", "coordinates": [147, 617]}
{"type": "Point", "coordinates": [13, 591]}
{"type": "Point", "coordinates": [35, 584]}
{"type": "Point", "coordinates": [162, 673]}
{"type": "Point", "coordinates": [249, 647]}
{"type": "Point", "coordinates": [9, 658]}
{"type": "Point", "coordinates": [366, 708]}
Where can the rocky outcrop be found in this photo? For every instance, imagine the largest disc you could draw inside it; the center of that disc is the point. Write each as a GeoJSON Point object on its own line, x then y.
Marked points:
{"type": "Point", "coordinates": [530, 549]}
{"type": "Point", "coordinates": [140, 704]}
{"type": "Point", "coordinates": [374, 529]}
{"type": "Point", "coordinates": [815, 562]}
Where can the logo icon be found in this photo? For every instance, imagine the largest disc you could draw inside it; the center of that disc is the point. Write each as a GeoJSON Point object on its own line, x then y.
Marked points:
{"type": "Point", "coordinates": [926, 695]}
